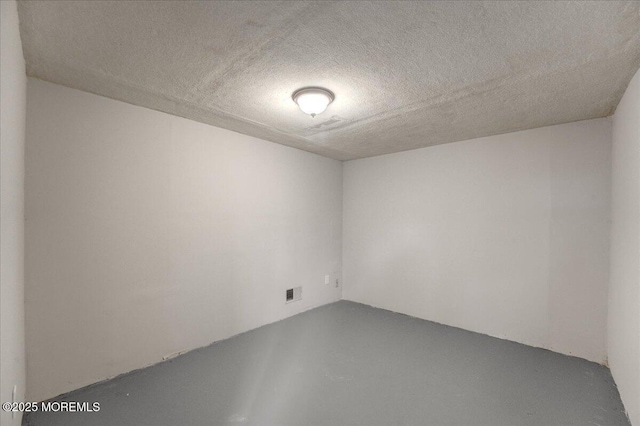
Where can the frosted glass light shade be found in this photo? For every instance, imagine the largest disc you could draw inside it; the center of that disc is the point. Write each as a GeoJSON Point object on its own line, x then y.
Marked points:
{"type": "Point", "coordinates": [313, 100]}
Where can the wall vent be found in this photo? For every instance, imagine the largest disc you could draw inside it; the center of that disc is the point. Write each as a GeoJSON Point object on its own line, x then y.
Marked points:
{"type": "Point", "coordinates": [293, 294]}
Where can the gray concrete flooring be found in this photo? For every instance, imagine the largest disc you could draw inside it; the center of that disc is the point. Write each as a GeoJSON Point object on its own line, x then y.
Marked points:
{"type": "Point", "coordinates": [351, 364]}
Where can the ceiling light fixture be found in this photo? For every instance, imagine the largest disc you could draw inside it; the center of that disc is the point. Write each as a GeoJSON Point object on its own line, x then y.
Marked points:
{"type": "Point", "coordinates": [313, 100]}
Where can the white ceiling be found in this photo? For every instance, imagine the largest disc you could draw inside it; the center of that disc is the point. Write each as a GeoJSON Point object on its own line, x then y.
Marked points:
{"type": "Point", "coordinates": [405, 75]}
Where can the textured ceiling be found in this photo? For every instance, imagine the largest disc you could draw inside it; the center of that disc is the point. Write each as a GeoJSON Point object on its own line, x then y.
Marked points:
{"type": "Point", "coordinates": [405, 75]}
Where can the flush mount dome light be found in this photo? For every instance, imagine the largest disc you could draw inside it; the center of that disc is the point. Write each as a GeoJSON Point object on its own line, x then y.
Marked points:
{"type": "Point", "coordinates": [313, 100]}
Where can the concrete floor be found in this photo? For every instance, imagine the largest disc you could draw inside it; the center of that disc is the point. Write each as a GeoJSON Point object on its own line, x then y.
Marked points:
{"type": "Point", "coordinates": [351, 364]}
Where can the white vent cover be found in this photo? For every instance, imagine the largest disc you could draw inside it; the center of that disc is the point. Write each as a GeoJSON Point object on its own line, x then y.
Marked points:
{"type": "Point", "coordinates": [293, 294]}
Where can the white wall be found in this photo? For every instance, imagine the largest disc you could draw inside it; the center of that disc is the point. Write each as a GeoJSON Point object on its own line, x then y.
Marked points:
{"type": "Point", "coordinates": [145, 224]}
{"type": "Point", "coordinates": [12, 129]}
{"type": "Point", "coordinates": [149, 234]}
{"type": "Point", "coordinates": [624, 290]}
{"type": "Point", "coordinates": [505, 235]}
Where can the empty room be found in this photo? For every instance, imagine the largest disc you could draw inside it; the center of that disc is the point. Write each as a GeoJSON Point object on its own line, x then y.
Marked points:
{"type": "Point", "coordinates": [359, 213]}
